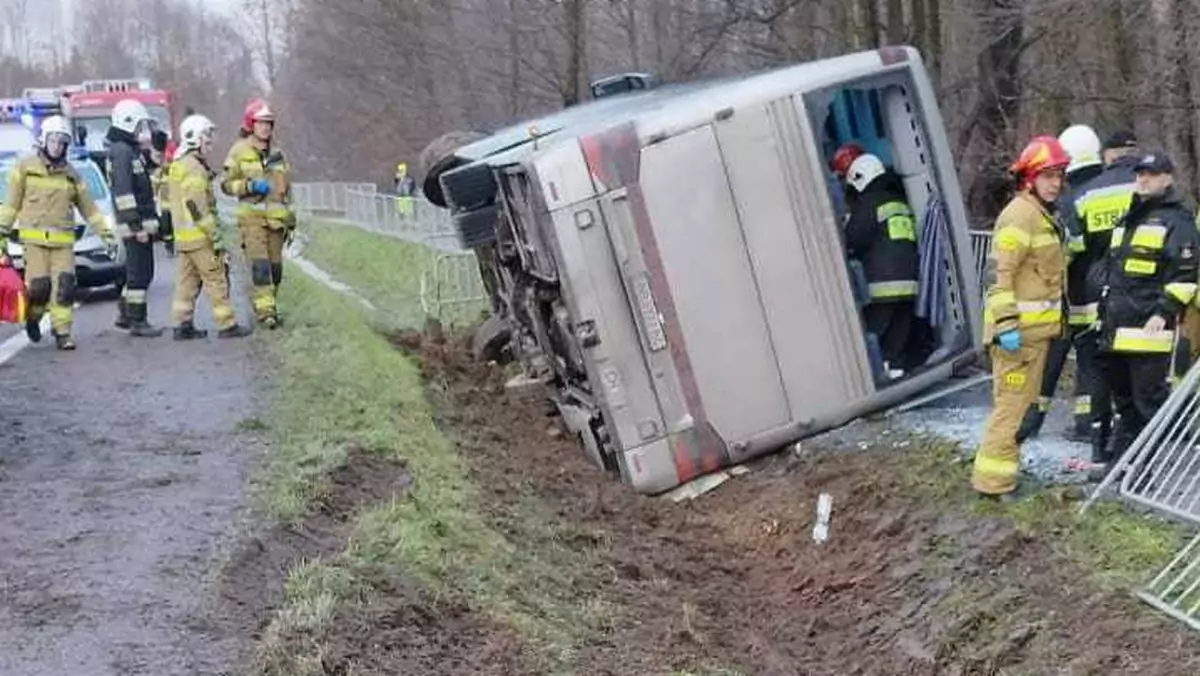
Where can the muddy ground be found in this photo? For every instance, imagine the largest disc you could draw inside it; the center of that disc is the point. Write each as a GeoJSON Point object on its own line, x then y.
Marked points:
{"type": "Point", "coordinates": [734, 582]}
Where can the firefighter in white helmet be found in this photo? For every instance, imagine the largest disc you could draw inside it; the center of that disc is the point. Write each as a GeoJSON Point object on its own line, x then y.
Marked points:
{"type": "Point", "coordinates": [259, 176]}
{"type": "Point", "coordinates": [198, 237]}
{"type": "Point", "coordinates": [43, 193]}
{"type": "Point", "coordinates": [137, 211]}
{"type": "Point", "coordinates": [881, 232]}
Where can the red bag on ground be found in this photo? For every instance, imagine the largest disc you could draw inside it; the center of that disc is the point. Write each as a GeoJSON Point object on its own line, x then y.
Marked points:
{"type": "Point", "coordinates": [12, 294]}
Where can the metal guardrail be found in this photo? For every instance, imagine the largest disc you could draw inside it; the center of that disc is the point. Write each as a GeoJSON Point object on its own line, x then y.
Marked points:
{"type": "Point", "coordinates": [329, 198]}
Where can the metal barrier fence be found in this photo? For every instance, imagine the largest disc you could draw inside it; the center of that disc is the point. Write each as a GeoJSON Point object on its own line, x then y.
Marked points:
{"type": "Point", "coordinates": [981, 248]}
{"type": "Point", "coordinates": [1176, 590]}
{"type": "Point", "coordinates": [328, 198]}
{"type": "Point", "coordinates": [1161, 469]}
{"type": "Point", "coordinates": [449, 280]}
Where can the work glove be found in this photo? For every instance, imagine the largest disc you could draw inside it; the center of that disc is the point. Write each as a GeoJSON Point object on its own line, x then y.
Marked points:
{"type": "Point", "coordinates": [218, 240]}
{"type": "Point", "coordinates": [11, 235]}
{"type": "Point", "coordinates": [260, 186]}
{"type": "Point", "coordinates": [1009, 341]}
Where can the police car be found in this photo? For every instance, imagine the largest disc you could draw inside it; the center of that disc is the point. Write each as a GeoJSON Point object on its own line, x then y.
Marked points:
{"type": "Point", "coordinates": [97, 265]}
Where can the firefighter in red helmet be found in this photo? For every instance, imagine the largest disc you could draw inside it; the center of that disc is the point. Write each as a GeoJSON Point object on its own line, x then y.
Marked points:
{"type": "Point", "coordinates": [260, 177]}
{"type": "Point", "coordinates": [1023, 310]}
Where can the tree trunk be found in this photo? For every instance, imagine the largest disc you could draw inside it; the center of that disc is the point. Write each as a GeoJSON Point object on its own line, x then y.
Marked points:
{"type": "Point", "coordinates": [920, 28]}
{"type": "Point", "coordinates": [999, 103]}
{"type": "Point", "coordinates": [573, 83]}
{"type": "Point", "coordinates": [933, 12]}
{"type": "Point", "coordinates": [868, 16]}
{"type": "Point", "coordinates": [895, 22]}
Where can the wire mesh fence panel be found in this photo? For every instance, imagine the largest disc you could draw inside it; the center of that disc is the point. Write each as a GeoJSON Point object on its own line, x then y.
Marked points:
{"type": "Point", "coordinates": [1176, 590]}
{"type": "Point", "coordinates": [452, 289]}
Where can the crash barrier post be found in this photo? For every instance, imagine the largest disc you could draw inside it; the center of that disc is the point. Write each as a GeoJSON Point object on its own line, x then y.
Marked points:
{"type": "Point", "coordinates": [1176, 590]}
{"type": "Point", "coordinates": [981, 248]}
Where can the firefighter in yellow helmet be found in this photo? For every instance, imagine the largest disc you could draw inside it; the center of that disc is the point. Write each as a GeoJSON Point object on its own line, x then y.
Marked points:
{"type": "Point", "coordinates": [43, 193]}
{"type": "Point", "coordinates": [259, 176]}
{"type": "Point", "coordinates": [1024, 307]}
{"type": "Point", "coordinates": [198, 237]}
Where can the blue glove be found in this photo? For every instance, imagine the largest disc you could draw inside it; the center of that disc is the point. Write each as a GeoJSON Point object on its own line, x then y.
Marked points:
{"type": "Point", "coordinates": [1010, 340]}
{"type": "Point", "coordinates": [260, 186]}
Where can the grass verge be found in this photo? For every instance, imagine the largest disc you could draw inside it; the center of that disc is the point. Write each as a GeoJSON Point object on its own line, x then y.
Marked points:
{"type": "Point", "coordinates": [385, 270]}
{"type": "Point", "coordinates": [1121, 547]}
{"type": "Point", "coordinates": [341, 383]}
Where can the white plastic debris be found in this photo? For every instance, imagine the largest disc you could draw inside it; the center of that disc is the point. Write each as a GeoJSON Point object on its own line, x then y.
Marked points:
{"type": "Point", "coordinates": [697, 487]}
{"type": "Point", "coordinates": [824, 510]}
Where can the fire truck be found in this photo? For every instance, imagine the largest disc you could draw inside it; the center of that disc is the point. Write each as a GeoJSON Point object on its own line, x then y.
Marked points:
{"type": "Point", "coordinates": [89, 106]}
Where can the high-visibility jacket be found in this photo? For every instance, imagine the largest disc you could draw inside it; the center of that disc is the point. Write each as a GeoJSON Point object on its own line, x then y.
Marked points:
{"type": "Point", "coordinates": [1026, 272]}
{"type": "Point", "coordinates": [42, 199]}
{"type": "Point", "coordinates": [193, 204]}
{"type": "Point", "coordinates": [132, 190]}
{"type": "Point", "coordinates": [245, 163]}
{"type": "Point", "coordinates": [1094, 208]}
{"type": "Point", "coordinates": [1150, 270]}
{"type": "Point", "coordinates": [1081, 311]}
{"type": "Point", "coordinates": [882, 233]}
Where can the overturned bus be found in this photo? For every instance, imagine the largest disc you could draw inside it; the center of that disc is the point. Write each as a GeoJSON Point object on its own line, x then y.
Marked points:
{"type": "Point", "coordinates": [671, 262]}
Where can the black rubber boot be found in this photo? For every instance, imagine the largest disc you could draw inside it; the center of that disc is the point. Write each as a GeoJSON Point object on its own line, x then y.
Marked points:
{"type": "Point", "coordinates": [64, 343]}
{"type": "Point", "coordinates": [122, 321]}
{"type": "Point", "coordinates": [1101, 451]}
{"type": "Point", "coordinates": [141, 328]}
{"type": "Point", "coordinates": [188, 331]}
{"type": "Point", "coordinates": [33, 329]}
{"type": "Point", "coordinates": [1031, 423]}
{"type": "Point", "coordinates": [235, 331]}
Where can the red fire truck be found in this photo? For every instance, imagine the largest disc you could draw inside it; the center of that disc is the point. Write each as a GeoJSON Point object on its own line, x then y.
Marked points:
{"type": "Point", "coordinates": [90, 106]}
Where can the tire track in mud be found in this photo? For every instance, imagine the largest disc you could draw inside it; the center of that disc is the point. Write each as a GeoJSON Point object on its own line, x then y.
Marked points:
{"type": "Point", "coordinates": [122, 473]}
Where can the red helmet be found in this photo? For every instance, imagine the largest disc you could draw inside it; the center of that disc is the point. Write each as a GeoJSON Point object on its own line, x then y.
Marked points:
{"type": "Point", "coordinates": [1044, 153]}
{"type": "Point", "coordinates": [844, 157]}
{"type": "Point", "coordinates": [256, 111]}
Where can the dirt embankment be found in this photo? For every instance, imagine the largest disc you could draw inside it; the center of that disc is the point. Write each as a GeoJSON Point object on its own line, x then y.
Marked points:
{"type": "Point", "coordinates": [905, 585]}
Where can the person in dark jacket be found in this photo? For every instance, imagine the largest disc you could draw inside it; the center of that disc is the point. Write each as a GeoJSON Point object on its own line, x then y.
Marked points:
{"type": "Point", "coordinates": [136, 211]}
{"type": "Point", "coordinates": [1147, 279]}
{"type": "Point", "coordinates": [881, 233]}
{"type": "Point", "coordinates": [1083, 145]}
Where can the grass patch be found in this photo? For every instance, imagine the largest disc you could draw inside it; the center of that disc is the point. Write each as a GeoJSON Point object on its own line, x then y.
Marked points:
{"type": "Point", "coordinates": [385, 270]}
{"type": "Point", "coordinates": [341, 383]}
{"type": "Point", "coordinates": [1121, 547]}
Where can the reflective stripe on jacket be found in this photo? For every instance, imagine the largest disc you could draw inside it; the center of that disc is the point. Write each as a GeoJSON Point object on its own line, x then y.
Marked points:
{"type": "Point", "coordinates": [1026, 272]}
{"type": "Point", "coordinates": [882, 233]}
{"type": "Point", "coordinates": [42, 199]}
{"type": "Point", "coordinates": [1150, 271]}
{"type": "Point", "coordinates": [190, 187]}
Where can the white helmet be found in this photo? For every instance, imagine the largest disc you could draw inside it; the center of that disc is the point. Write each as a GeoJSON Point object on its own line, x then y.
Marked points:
{"type": "Point", "coordinates": [864, 169]}
{"type": "Point", "coordinates": [55, 124]}
{"type": "Point", "coordinates": [127, 114]}
{"type": "Point", "coordinates": [193, 131]}
{"type": "Point", "coordinates": [1082, 145]}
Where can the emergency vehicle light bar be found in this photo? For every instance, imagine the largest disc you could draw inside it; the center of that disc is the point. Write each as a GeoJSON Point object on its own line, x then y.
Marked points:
{"type": "Point", "coordinates": [115, 86]}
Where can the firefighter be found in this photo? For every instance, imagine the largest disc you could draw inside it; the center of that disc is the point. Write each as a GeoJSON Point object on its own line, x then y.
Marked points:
{"type": "Point", "coordinates": [158, 158]}
{"type": "Point", "coordinates": [1023, 309]}
{"type": "Point", "coordinates": [1146, 281]}
{"type": "Point", "coordinates": [137, 213]}
{"type": "Point", "coordinates": [881, 233]}
{"type": "Point", "coordinates": [259, 176]}
{"type": "Point", "coordinates": [198, 237]}
{"type": "Point", "coordinates": [1083, 146]}
{"type": "Point", "coordinates": [43, 193]}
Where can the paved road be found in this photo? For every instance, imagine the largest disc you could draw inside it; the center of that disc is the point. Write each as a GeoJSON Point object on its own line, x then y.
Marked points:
{"type": "Point", "coordinates": [122, 473]}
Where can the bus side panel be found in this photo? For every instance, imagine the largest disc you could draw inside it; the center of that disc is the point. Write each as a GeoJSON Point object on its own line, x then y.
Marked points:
{"type": "Point", "coordinates": [712, 283]}
{"type": "Point", "coordinates": [788, 267]}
